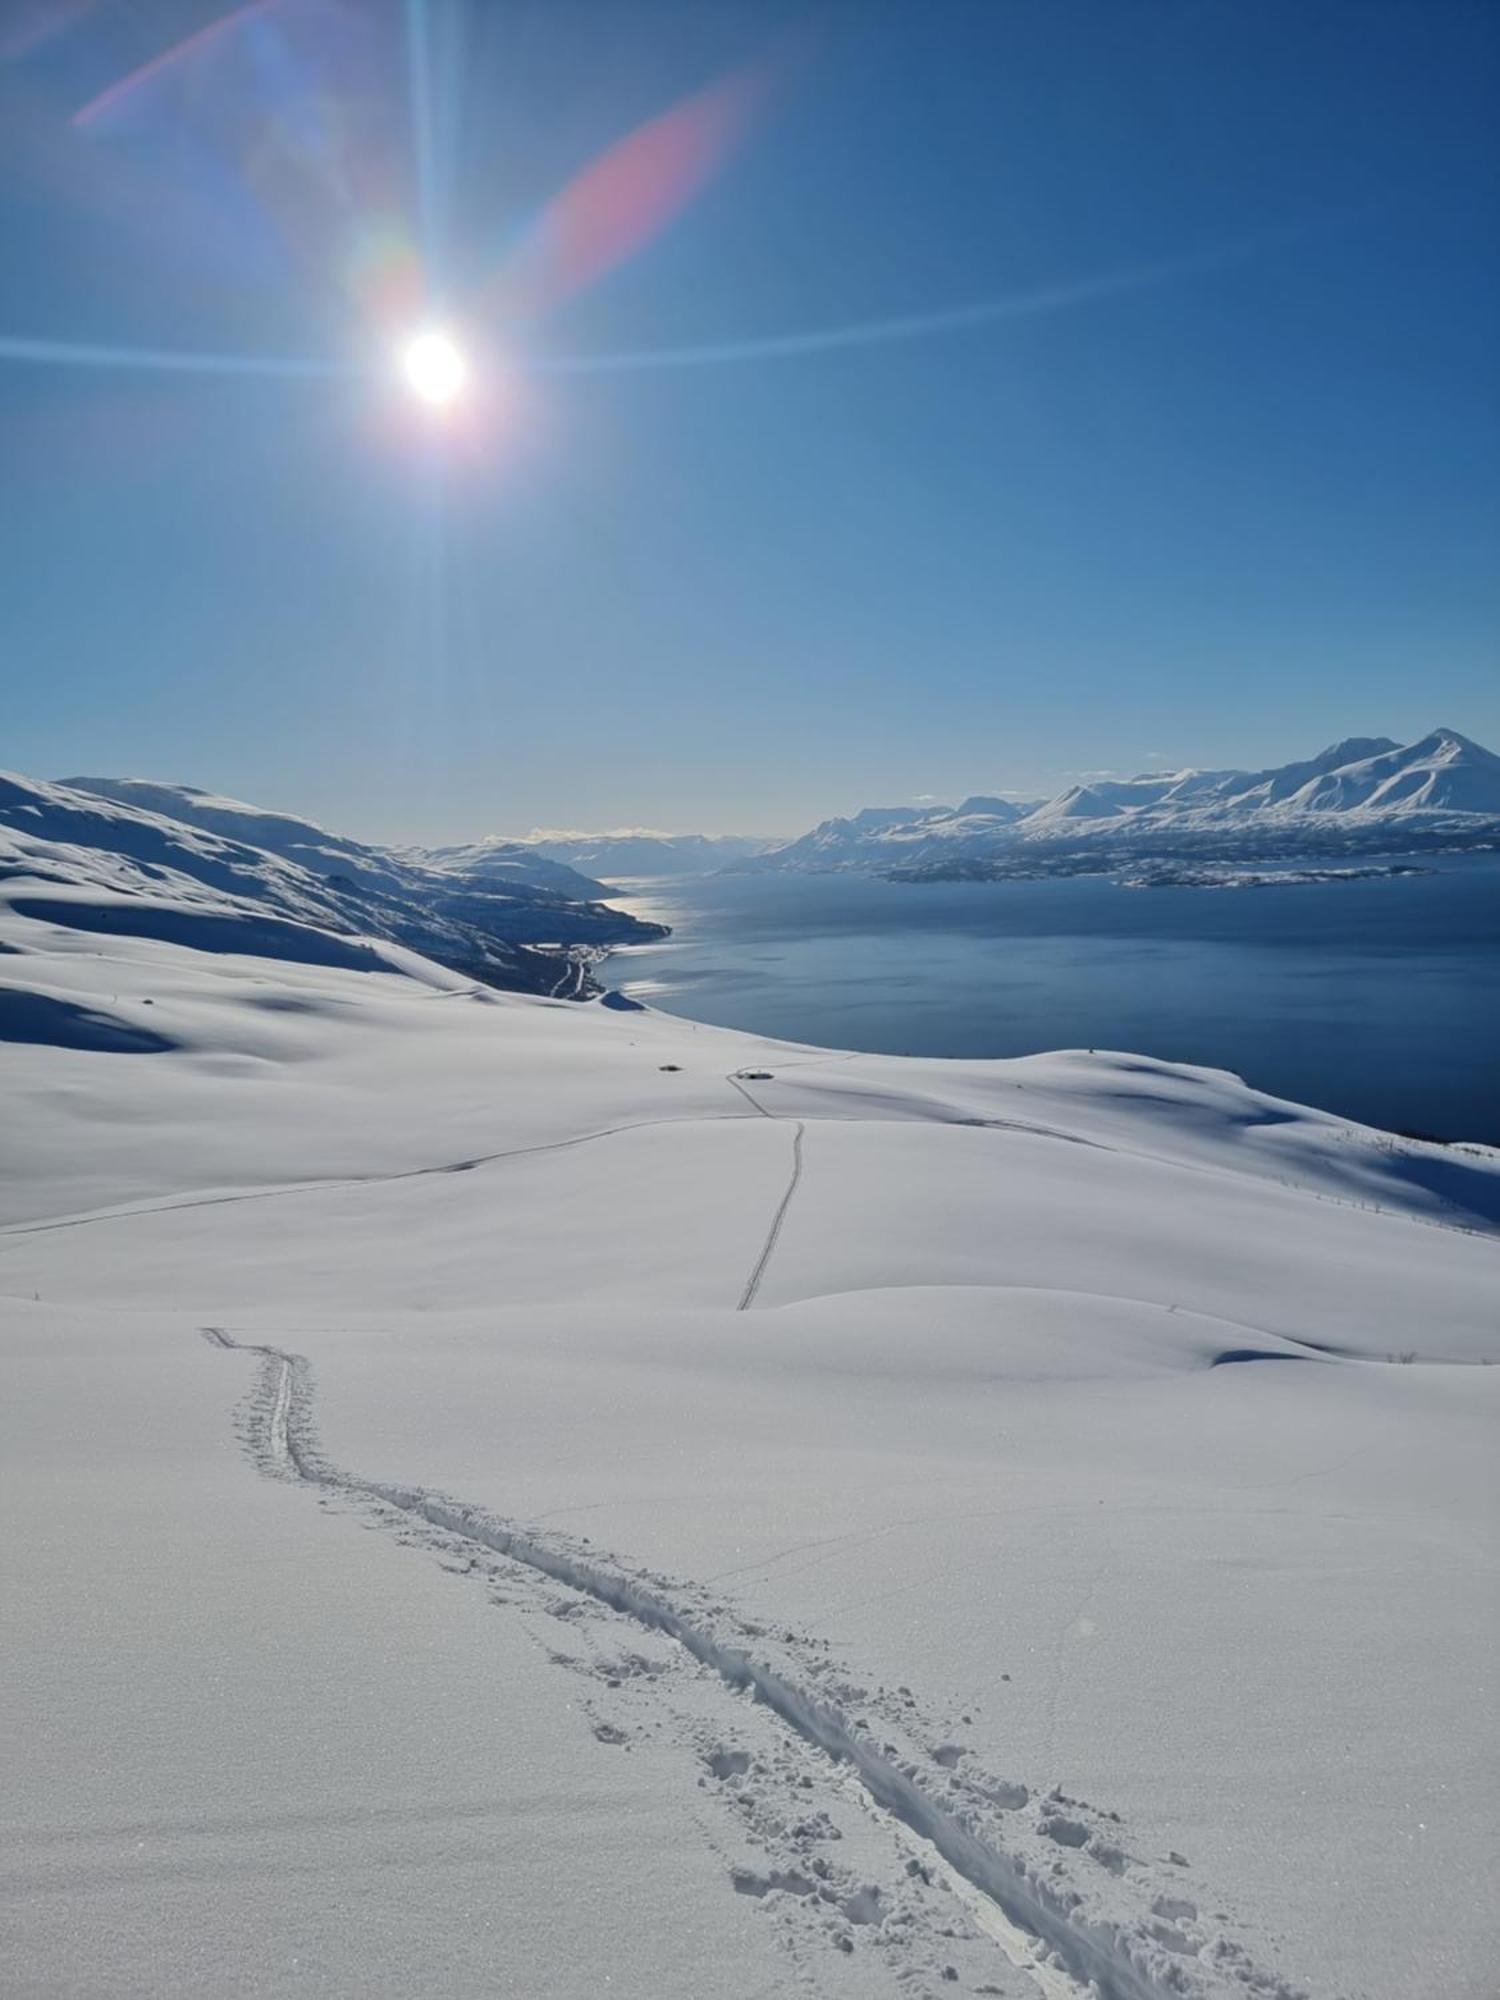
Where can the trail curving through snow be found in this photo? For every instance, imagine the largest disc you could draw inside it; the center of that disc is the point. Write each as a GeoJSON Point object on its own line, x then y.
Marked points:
{"type": "Point", "coordinates": [1038, 1927]}
{"type": "Point", "coordinates": [752, 1283]}
{"type": "Point", "coordinates": [340, 1184]}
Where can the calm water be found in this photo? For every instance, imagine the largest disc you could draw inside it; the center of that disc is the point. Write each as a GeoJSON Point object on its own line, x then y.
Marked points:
{"type": "Point", "coordinates": [1379, 999]}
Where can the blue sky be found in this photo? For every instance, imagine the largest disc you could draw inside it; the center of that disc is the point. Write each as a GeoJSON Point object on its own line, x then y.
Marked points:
{"type": "Point", "coordinates": [1229, 488]}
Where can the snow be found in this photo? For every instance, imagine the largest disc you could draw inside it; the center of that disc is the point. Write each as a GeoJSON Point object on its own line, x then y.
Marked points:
{"type": "Point", "coordinates": [250, 1750]}
{"type": "Point", "coordinates": [634, 1526]}
{"type": "Point", "coordinates": [314, 847]}
{"type": "Point", "coordinates": [627, 852]}
{"type": "Point", "coordinates": [122, 865]}
{"type": "Point", "coordinates": [1364, 790]}
{"type": "Point", "coordinates": [1444, 772]}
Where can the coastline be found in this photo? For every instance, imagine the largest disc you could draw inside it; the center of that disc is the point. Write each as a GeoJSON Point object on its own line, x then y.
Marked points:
{"type": "Point", "coordinates": [1374, 996]}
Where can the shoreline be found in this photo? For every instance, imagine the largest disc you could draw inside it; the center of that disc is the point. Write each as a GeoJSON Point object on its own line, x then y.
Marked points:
{"type": "Point", "coordinates": [841, 959]}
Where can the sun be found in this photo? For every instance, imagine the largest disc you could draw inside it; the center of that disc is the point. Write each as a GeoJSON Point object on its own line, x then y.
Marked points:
{"type": "Point", "coordinates": [435, 367]}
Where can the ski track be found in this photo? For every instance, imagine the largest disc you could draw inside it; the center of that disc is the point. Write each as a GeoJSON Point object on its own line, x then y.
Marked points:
{"type": "Point", "coordinates": [752, 1283]}
{"type": "Point", "coordinates": [332, 1184]}
{"type": "Point", "coordinates": [749, 1096]}
{"type": "Point", "coordinates": [335, 1184]}
{"type": "Point", "coordinates": [1038, 1927]}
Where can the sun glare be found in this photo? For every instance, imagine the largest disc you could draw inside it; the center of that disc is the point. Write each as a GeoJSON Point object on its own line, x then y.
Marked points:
{"type": "Point", "coordinates": [435, 368]}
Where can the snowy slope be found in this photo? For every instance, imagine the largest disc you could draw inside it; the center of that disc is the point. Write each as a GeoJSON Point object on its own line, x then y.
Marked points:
{"type": "Point", "coordinates": [498, 864]}
{"type": "Point", "coordinates": [1363, 778]}
{"type": "Point", "coordinates": [882, 835]}
{"type": "Point", "coordinates": [831, 1524]}
{"type": "Point", "coordinates": [116, 868]}
{"type": "Point", "coordinates": [1443, 773]}
{"type": "Point", "coordinates": [1366, 792]}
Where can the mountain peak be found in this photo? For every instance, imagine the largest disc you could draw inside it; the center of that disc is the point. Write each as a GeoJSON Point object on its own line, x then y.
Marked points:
{"type": "Point", "coordinates": [984, 805]}
{"type": "Point", "coordinates": [1353, 750]}
{"type": "Point", "coordinates": [1362, 788]}
{"type": "Point", "coordinates": [1449, 739]}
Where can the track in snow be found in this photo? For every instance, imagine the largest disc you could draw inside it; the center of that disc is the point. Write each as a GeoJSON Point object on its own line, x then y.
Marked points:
{"type": "Point", "coordinates": [752, 1283]}
{"type": "Point", "coordinates": [754, 1102]}
{"type": "Point", "coordinates": [1036, 1925]}
{"type": "Point", "coordinates": [338, 1185]}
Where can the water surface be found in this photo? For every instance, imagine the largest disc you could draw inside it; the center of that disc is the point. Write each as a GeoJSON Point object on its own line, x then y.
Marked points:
{"type": "Point", "coordinates": [1379, 999]}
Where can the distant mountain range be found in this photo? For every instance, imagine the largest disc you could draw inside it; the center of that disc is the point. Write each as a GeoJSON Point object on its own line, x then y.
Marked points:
{"type": "Point", "coordinates": [623, 855]}
{"type": "Point", "coordinates": [133, 857]}
{"type": "Point", "coordinates": [1366, 794]}
{"type": "Point", "coordinates": [129, 857]}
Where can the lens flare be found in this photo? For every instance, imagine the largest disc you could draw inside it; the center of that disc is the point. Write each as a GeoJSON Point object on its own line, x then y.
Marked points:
{"type": "Point", "coordinates": [435, 367]}
{"type": "Point", "coordinates": [192, 45]}
{"type": "Point", "coordinates": [628, 195]}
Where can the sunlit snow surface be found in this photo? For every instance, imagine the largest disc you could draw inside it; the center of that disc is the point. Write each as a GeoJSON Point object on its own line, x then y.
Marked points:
{"type": "Point", "coordinates": [1098, 1447]}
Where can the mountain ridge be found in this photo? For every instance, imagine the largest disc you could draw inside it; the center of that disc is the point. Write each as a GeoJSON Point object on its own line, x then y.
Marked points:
{"type": "Point", "coordinates": [506, 863]}
{"type": "Point", "coordinates": [643, 851]}
{"type": "Point", "coordinates": [94, 861]}
{"type": "Point", "coordinates": [1364, 792]}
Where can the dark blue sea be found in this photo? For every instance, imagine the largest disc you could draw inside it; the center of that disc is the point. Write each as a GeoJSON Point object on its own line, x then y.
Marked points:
{"type": "Point", "coordinates": [1378, 999]}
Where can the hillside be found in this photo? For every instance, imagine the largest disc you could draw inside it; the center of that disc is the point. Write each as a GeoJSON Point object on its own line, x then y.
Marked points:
{"type": "Point", "coordinates": [507, 1495]}
{"type": "Point", "coordinates": [495, 864]}
{"type": "Point", "coordinates": [123, 869]}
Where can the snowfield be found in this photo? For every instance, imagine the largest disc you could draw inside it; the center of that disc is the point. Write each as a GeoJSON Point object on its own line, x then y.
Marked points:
{"type": "Point", "coordinates": [512, 1496]}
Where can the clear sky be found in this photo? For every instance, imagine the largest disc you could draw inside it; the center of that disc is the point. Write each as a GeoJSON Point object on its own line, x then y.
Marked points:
{"type": "Point", "coordinates": [1213, 477]}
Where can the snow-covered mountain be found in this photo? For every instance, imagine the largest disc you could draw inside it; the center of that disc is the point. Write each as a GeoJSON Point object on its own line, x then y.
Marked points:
{"type": "Point", "coordinates": [101, 864]}
{"type": "Point", "coordinates": [1443, 773]}
{"type": "Point", "coordinates": [1365, 792]}
{"type": "Point", "coordinates": [631, 853]}
{"type": "Point", "coordinates": [880, 836]}
{"type": "Point", "coordinates": [496, 864]}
